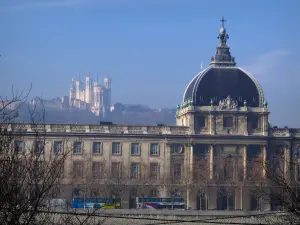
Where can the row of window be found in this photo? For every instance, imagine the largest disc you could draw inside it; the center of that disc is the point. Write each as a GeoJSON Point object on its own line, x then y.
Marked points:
{"type": "Point", "coordinates": [228, 121]}
{"type": "Point", "coordinates": [97, 148]}
{"type": "Point", "coordinates": [116, 148]}
{"type": "Point", "coordinates": [98, 170]}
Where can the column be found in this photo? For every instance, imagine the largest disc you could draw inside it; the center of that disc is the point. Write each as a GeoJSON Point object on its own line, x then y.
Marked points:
{"type": "Point", "coordinates": [191, 155]}
{"type": "Point", "coordinates": [245, 161]}
{"type": "Point", "coordinates": [212, 127]}
{"type": "Point", "coordinates": [245, 198]}
{"type": "Point", "coordinates": [287, 161]}
{"type": "Point", "coordinates": [211, 162]}
{"type": "Point", "coordinates": [212, 193]}
{"type": "Point", "coordinates": [190, 193]}
{"type": "Point", "coordinates": [264, 151]}
{"type": "Point", "coordinates": [265, 125]}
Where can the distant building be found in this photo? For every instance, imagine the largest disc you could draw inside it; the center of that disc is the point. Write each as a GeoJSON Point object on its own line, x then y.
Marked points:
{"type": "Point", "coordinates": [55, 102]}
{"type": "Point", "coordinates": [94, 96]}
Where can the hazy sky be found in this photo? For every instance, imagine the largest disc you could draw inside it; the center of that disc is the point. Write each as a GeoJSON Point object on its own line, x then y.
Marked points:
{"type": "Point", "coordinates": [150, 48]}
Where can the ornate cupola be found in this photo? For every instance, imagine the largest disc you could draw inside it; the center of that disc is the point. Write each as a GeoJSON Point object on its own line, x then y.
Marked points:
{"type": "Point", "coordinates": [222, 56]}
{"type": "Point", "coordinates": [224, 98]}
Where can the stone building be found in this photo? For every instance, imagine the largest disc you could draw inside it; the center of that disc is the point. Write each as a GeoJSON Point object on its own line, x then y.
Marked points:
{"type": "Point", "coordinates": [93, 96]}
{"type": "Point", "coordinates": [208, 157]}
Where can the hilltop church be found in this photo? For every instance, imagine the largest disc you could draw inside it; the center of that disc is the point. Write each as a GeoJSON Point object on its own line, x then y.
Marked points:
{"type": "Point", "coordinates": [221, 126]}
{"type": "Point", "coordinates": [93, 96]}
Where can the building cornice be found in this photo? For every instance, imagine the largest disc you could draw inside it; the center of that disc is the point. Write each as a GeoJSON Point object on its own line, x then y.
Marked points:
{"type": "Point", "coordinates": [131, 131]}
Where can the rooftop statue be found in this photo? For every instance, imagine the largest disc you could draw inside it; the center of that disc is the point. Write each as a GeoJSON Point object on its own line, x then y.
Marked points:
{"type": "Point", "coordinates": [228, 104]}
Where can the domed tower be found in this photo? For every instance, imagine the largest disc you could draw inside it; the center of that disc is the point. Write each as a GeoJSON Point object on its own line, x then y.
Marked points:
{"type": "Point", "coordinates": [224, 99]}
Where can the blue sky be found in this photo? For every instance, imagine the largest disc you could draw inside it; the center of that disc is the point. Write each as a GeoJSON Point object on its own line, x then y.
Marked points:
{"type": "Point", "coordinates": [151, 49]}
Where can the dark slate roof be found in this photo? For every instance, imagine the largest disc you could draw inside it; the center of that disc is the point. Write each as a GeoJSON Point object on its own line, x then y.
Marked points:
{"type": "Point", "coordinates": [219, 82]}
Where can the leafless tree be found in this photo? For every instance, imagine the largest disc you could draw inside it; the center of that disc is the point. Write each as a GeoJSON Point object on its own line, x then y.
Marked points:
{"type": "Point", "coordinates": [280, 185]}
{"type": "Point", "coordinates": [201, 178]}
{"type": "Point", "coordinates": [116, 180]}
{"type": "Point", "coordinates": [228, 176]}
{"type": "Point", "coordinates": [31, 170]}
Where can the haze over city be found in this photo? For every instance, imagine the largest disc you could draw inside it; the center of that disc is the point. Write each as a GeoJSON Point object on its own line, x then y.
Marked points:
{"type": "Point", "coordinates": [150, 49]}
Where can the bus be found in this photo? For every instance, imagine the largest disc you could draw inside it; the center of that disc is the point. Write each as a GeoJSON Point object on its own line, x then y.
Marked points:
{"type": "Point", "coordinates": [96, 203]}
{"type": "Point", "coordinates": [159, 203]}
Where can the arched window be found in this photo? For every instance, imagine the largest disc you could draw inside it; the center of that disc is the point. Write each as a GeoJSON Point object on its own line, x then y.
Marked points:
{"type": "Point", "coordinates": [154, 193]}
{"type": "Point", "coordinates": [133, 193]}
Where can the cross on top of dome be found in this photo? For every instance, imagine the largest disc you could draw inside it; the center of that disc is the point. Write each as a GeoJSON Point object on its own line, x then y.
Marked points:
{"type": "Point", "coordinates": [223, 21]}
{"type": "Point", "coordinates": [223, 36]}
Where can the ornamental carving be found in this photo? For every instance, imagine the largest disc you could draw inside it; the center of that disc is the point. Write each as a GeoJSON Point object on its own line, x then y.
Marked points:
{"type": "Point", "coordinates": [58, 128]}
{"type": "Point", "coordinates": [228, 104]}
{"type": "Point", "coordinates": [296, 132]}
{"type": "Point", "coordinates": [98, 129]}
{"type": "Point", "coordinates": [179, 130]}
{"type": "Point", "coordinates": [77, 128]}
{"type": "Point", "coordinates": [38, 127]}
{"type": "Point", "coordinates": [280, 133]}
{"type": "Point", "coordinates": [154, 130]}
{"type": "Point", "coordinates": [116, 129]}
{"type": "Point", "coordinates": [19, 127]}
{"type": "Point", "coordinates": [135, 130]}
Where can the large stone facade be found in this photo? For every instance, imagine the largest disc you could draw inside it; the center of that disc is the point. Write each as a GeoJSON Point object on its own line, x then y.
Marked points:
{"type": "Point", "coordinates": [188, 163]}
{"type": "Point", "coordinates": [213, 157]}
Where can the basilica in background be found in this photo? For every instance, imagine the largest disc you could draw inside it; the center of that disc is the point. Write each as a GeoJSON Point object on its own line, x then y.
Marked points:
{"type": "Point", "coordinates": [93, 96]}
{"type": "Point", "coordinates": [208, 157]}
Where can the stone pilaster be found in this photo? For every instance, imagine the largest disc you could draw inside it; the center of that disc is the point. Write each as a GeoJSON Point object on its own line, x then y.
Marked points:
{"type": "Point", "coordinates": [211, 162]}
{"type": "Point", "coordinates": [264, 152]}
{"type": "Point", "coordinates": [265, 125]}
{"type": "Point", "coordinates": [190, 200]}
{"type": "Point", "coordinates": [245, 161]}
{"type": "Point", "coordinates": [212, 124]}
{"type": "Point", "coordinates": [245, 199]}
{"type": "Point", "coordinates": [287, 161]}
{"type": "Point", "coordinates": [245, 126]}
{"type": "Point", "coordinates": [212, 198]}
{"type": "Point", "coordinates": [191, 159]}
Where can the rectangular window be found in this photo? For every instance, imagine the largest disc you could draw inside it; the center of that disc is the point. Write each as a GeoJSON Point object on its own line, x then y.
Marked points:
{"type": "Point", "coordinates": [201, 121]}
{"type": "Point", "coordinates": [97, 148]}
{"type": "Point", "coordinates": [97, 170]}
{"type": "Point", "coordinates": [77, 169]}
{"type": "Point", "coordinates": [177, 171]}
{"type": "Point", "coordinates": [154, 149]}
{"type": "Point", "coordinates": [135, 149]}
{"type": "Point", "coordinates": [228, 122]}
{"type": "Point", "coordinates": [77, 147]}
{"type": "Point", "coordinates": [253, 121]}
{"type": "Point", "coordinates": [115, 169]}
{"type": "Point", "coordinates": [154, 171]}
{"type": "Point", "coordinates": [135, 170]}
{"type": "Point", "coordinates": [58, 147]}
{"type": "Point", "coordinates": [298, 152]}
{"type": "Point", "coordinates": [19, 146]}
{"type": "Point", "coordinates": [39, 146]}
{"type": "Point", "coordinates": [116, 148]}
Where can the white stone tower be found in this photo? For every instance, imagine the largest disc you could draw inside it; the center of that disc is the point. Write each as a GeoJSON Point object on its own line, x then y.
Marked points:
{"type": "Point", "coordinates": [96, 98]}
{"type": "Point", "coordinates": [106, 98]}
{"type": "Point", "coordinates": [89, 90]}
{"type": "Point", "coordinates": [72, 95]}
